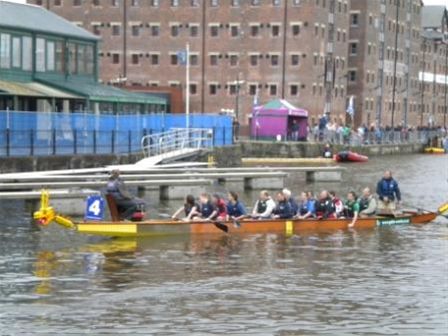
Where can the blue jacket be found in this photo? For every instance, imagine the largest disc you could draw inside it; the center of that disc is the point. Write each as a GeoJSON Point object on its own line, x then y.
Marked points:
{"type": "Point", "coordinates": [236, 210]}
{"type": "Point", "coordinates": [308, 206]}
{"type": "Point", "coordinates": [283, 210]}
{"type": "Point", "coordinates": [294, 205]}
{"type": "Point", "coordinates": [388, 188]}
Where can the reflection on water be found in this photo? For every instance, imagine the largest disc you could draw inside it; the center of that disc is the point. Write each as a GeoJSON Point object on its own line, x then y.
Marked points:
{"type": "Point", "coordinates": [391, 280]}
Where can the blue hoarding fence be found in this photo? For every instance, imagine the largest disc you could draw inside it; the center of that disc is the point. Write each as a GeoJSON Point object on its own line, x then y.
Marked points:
{"type": "Point", "coordinates": [42, 133]}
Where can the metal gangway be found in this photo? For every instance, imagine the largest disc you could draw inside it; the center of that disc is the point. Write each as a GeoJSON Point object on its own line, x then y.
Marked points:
{"type": "Point", "coordinates": [175, 143]}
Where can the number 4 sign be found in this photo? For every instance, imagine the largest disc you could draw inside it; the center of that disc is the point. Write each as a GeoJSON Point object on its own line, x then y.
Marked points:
{"type": "Point", "coordinates": [94, 208]}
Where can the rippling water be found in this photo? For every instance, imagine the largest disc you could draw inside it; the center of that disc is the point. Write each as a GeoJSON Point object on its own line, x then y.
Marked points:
{"type": "Point", "coordinates": [387, 281]}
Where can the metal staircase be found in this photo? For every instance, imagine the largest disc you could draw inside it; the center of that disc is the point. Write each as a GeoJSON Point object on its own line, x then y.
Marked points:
{"type": "Point", "coordinates": [175, 144]}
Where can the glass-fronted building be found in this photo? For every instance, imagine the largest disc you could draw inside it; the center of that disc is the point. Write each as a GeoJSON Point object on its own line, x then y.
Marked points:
{"type": "Point", "coordinates": [49, 64]}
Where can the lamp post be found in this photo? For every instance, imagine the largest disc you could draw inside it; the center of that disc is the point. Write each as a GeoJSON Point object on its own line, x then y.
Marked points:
{"type": "Point", "coordinates": [237, 84]}
{"type": "Point", "coordinates": [394, 88]}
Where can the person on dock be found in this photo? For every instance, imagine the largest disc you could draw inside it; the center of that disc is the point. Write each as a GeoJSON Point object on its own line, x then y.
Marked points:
{"type": "Point", "coordinates": [127, 204]}
{"type": "Point", "coordinates": [351, 208]}
{"type": "Point", "coordinates": [190, 208]}
{"type": "Point", "coordinates": [220, 206]}
{"type": "Point", "coordinates": [307, 206]}
{"type": "Point", "coordinates": [207, 210]}
{"type": "Point", "coordinates": [327, 153]}
{"type": "Point", "coordinates": [338, 204]}
{"type": "Point", "coordinates": [264, 206]}
{"type": "Point", "coordinates": [324, 206]}
{"type": "Point", "coordinates": [283, 209]}
{"type": "Point", "coordinates": [367, 204]}
{"type": "Point", "coordinates": [291, 200]}
{"type": "Point", "coordinates": [388, 192]}
{"type": "Point", "coordinates": [235, 208]}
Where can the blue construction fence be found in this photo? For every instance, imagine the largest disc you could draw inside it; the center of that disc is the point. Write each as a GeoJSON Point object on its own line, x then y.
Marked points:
{"type": "Point", "coordinates": [44, 133]}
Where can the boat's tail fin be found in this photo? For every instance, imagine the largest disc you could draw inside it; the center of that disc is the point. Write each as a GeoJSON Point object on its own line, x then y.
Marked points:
{"type": "Point", "coordinates": [443, 210]}
{"type": "Point", "coordinates": [46, 214]}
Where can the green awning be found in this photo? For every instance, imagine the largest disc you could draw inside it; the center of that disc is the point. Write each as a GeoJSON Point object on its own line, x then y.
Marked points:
{"type": "Point", "coordinates": [33, 89]}
{"type": "Point", "coordinates": [103, 93]}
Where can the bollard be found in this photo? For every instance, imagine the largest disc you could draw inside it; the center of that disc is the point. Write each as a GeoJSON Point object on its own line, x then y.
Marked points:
{"type": "Point", "coordinates": [223, 136]}
{"type": "Point", "coordinates": [75, 141]}
{"type": "Point", "coordinates": [113, 142]}
{"type": "Point", "coordinates": [53, 140]}
{"type": "Point", "coordinates": [129, 142]}
{"type": "Point", "coordinates": [94, 142]}
{"type": "Point", "coordinates": [8, 142]}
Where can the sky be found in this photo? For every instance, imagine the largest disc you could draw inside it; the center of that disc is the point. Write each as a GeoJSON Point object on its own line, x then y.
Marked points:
{"type": "Point", "coordinates": [427, 2]}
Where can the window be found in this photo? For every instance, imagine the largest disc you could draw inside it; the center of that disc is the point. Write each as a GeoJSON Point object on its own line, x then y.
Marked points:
{"type": "Point", "coordinates": [72, 58]}
{"type": "Point", "coordinates": [155, 30]}
{"type": "Point", "coordinates": [234, 30]}
{"type": "Point", "coordinates": [115, 30]}
{"type": "Point", "coordinates": [154, 59]}
{"type": "Point", "coordinates": [59, 56]}
{"type": "Point", "coordinates": [354, 20]}
{"type": "Point", "coordinates": [50, 56]}
{"type": "Point", "coordinates": [155, 3]}
{"type": "Point", "coordinates": [193, 88]}
{"type": "Point", "coordinates": [253, 60]}
{"type": "Point", "coordinates": [214, 30]}
{"type": "Point", "coordinates": [213, 89]}
{"type": "Point", "coordinates": [76, 3]}
{"type": "Point", "coordinates": [174, 3]}
{"type": "Point", "coordinates": [135, 30]}
{"type": "Point", "coordinates": [353, 48]}
{"type": "Point", "coordinates": [57, 3]}
{"type": "Point", "coordinates": [135, 59]}
{"type": "Point", "coordinates": [235, 3]}
{"type": "Point", "coordinates": [39, 2]}
{"type": "Point", "coordinates": [174, 30]}
{"type": "Point", "coordinates": [232, 89]}
{"type": "Point", "coordinates": [272, 89]}
{"type": "Point", "coordinates": [115, 3]}
{"type": "Point", "coordinates": [173, 59]}
{"type": "Point", "coordinates": [115, 59]}
{"type": "Point", "coordinates": [295, 28]}
{"type": "Point", "coordinates": [316, 29]}
{"type": "Point", "coordinates": [27, 53]}
{"type": "Point", "coordinates": [40, 55]}
{"type": "Point", "coordinates": [254, 30]}
{"type": "Point", "coordinates": [194, 30]}
{"type": "Point", "coordinates": [135, 3]}
{"type": "Point", "coordinates": [96, 29]}
{"type": "Point", "coordinates": [296, 2]}
{"type": "Point", "coordinates": [275, 30]}
{"type": "Point", "coordinates": [233, 60]}
{"type": "Point", "coordinates": [214, 3]}
{"type": "Point", "coordinates": [214, 59]}
{"type": "Point", "coordinates": [293, 89]}
{"type": "Point", "coordinates": [295, 59]}
{"type": "Point", "coordinates": [96, 3]}
{"type": "Point", "coordinates": [80, 58]}
{"type": "Point", "coordinates": [352, 75]}
{"type": "Point", "coordinates": [194, 3]}
{"type": "Point", "coordinates": [252, 89]}
{"type": "Point", "coordinates": [194, 60]}
{"type": "Point", "coordinates": [275, 60]}
{"type": "Point", "coordinates": [255, 2]}
{"type": "Point", "coordinates": [16, 52]}
{"type": "Point", "coordinates": [276, 3]}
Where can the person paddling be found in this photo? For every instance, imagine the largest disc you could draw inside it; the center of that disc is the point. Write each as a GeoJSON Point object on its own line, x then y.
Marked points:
{"type": "Point", "coordinates": [235, 209]}
{"type": "Point", "coordinates": [207, 210]}
{"type": "Point", "coordinates": [388, 192]}
{"type": "Point", "coordinates": [367, 204]}
{"type": "Point", "coordinates": [325, 207]}
{"type": "Point", "coordinates": [307, 206]}
{"type": "Point", "coordinates": [338, 204]}
{"type": "Point", "coordinates": [220, 207]}
{"type": "Point", "coordinates": [190, 208]}
{"type": "Point", "coordinates": [351, 208]}
{"type": "Point", "coordinates": [283, 209]}
{"type": "Point", "coordinates": [264, 206]}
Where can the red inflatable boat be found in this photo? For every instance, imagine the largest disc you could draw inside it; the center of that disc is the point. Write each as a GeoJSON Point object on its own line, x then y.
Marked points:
{"type": "Point", "coordinates": [347, 156]}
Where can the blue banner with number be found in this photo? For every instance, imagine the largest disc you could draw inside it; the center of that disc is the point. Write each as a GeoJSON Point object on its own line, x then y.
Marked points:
{"type": "Point", "coordinates": [94, 208]}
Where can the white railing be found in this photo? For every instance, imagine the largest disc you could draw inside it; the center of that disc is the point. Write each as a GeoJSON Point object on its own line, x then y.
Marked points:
{"type": "Point", "coordinates": [177, 139]}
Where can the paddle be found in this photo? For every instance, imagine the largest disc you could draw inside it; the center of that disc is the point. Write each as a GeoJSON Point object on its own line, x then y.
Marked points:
{"type": "Point", "coordinates": [219, 225]}
{"type": "Point", "coordinates": [440, 211]}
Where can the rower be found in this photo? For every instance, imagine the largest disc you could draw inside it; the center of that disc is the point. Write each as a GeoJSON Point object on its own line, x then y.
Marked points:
{"type": "Point", "coordinates": [220, 206]}
{"type": "Point", "coordinates": [338, 204]}
{"type": "Point", "coordinates": [235, 209]}
{"type": "Point", "coordinates": [307, 206]}
{"type": "Point", "coordinates": [206, 211]}
{"type": "Point", "coordinates": [367, 204]}
{"type": "Point", "coordinates": [283, 209]}
{"type": "Point", "coordinates": [264, 206]}
{"type": "Point", "coordinates": [325, 207]}
{"type": "Point", "coordinates": [291, 200]}
{"type": "Point", "coordinates": [388, 192]}
{"type": "Point", "coordinates": [351, 208]}
{"type": "Point", "coordinates": [127, 204]}
{"type": "Point", "coordinates": [190, 208]}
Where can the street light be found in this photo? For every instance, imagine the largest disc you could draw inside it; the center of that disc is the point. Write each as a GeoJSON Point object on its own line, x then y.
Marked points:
{"type": "Point", "coordinates": [237, 84]}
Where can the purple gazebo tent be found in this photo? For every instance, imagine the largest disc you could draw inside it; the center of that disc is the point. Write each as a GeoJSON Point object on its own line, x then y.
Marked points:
{"type": "Point", "coordinates": [277, 118]}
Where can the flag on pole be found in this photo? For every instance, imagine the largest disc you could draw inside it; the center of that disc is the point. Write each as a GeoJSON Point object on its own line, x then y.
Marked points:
{"type": "Point", "coordinates": [182, 57]}
{"type": "Point", "coordinates": [351, 106]}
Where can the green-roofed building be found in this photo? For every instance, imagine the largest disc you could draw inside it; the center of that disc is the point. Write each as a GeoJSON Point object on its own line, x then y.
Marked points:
{"type": "Point", "coordinates": [49, 64]}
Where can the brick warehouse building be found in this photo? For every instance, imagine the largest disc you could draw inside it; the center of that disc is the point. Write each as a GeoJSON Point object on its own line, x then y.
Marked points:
{"type": "Point", "coordinates": [244, 40]}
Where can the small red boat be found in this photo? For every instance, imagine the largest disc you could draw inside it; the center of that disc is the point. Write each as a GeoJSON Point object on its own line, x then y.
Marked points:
{"type": "Point", "coordinates": [347, 156]}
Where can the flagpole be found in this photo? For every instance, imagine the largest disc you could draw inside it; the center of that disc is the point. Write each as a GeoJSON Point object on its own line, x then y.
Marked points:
{"type": "Point", "coordinates": [187, 89]}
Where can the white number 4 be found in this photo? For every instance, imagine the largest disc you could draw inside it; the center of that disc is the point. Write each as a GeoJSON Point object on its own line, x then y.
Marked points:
{"type": "Point", "coordinates": [95, 207]}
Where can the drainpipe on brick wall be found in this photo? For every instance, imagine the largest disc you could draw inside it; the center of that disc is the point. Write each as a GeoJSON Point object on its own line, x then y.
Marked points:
{"type": "Point", "coordinates": [204, 8]}
{"type": "Point", "coordinates": [394, 87]}
{"type": "Point", "coordinates": [285, 30]}
{"type": "Point", "coordinates": [125, 38]}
